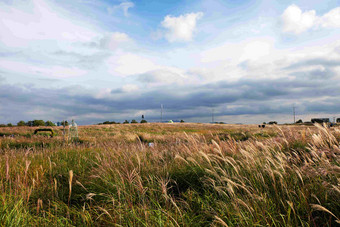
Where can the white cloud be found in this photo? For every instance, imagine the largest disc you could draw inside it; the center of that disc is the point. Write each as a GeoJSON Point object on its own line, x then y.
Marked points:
{"type": "Point", "coordinates": [130, 88]}
{"type": "Point", "coordinates": [236, 52]}
{"type": "Point", "coordinates": [114, 40]}
{"type": "Point", "coordinates": [165, 75]}
{"type": "Point", "coordinates": [125, 6]}
{"type": "Point", "coordinates": [127, 64]}
{"type": "Point", "coordinates": [60, 72]}
{"type": "Point", "coordinates": [53, 71]}
{"type": "Point", "coordinates": [181, 28]}
{"type": "Point", "coordinates": [25, 22]}
{"type": "Point", "coordinates": [331, 19]}
{"type": "Point", "coordinates": [296, 21]}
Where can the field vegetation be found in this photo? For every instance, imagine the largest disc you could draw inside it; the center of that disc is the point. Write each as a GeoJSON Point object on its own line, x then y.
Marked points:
{"type": "Point", "coordinates": [171, 175]}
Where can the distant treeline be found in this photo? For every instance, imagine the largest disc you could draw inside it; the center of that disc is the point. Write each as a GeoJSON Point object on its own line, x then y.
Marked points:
{"type": "Point", "coordinates": [35, 123]}
{"type": "Point", "coordinates": [135, 122]}
{"type": "Point", "coordinates": [125, 122]}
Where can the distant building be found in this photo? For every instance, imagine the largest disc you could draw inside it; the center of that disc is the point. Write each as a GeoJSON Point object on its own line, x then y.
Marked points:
{"type": "Point", "coordinates": [320, 120]}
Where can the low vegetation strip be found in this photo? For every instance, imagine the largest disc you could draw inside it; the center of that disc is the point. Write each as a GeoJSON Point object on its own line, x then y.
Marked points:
{"type": "Point", "coordinates": [193, 175]}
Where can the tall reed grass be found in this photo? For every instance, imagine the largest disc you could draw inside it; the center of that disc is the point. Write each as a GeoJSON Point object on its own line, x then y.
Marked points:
{"type": "Point", "coordinates": [194, 175]}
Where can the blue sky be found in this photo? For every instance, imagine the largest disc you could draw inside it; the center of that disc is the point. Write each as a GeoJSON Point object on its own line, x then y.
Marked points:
{"type": "Point", "coordinates": [250, 61]}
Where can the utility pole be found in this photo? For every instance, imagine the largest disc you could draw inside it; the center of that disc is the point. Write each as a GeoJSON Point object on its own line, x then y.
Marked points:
{"type": "Point", "coordinates": [64, 132]}
{"type": "Point", "coordinates": [294, 113]}
{"type": "Point", "coordinates": [212, 115]}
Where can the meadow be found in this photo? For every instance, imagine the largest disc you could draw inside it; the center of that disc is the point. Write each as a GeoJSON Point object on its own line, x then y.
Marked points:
{"type": "Point", "coordinates": [180, 174]}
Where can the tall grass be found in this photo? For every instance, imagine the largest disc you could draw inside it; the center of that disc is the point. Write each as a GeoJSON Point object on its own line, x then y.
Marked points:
{"type": "Point", "coordinates": [194, 175]}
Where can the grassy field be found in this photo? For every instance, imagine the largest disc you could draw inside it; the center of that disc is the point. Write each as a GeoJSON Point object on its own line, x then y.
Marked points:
{"type": "Point", "coordinates": [193, 175]}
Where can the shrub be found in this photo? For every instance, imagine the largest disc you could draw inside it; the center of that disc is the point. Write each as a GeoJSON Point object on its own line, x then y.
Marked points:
{"type": "Point", "coordinates": [64, 123]}
{"type": "Point", "coordinates": [49, 123]}
{"type": "Point", "coordinates": [108, 122]}
{"type": "Point", "coordinates": [126, 122]}
{"type": "Point", "coordinates": [134, 122]}
{"type": "Point", "coordinates": [143, 121]}
{"type": "Point", "coordinates": [21, 123]}
{"type": "Point", "coordinates": [38, 123]}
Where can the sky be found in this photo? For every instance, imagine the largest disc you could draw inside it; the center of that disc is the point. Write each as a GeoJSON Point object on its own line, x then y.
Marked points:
{"type": "Point", "coordinates": [242, 61]}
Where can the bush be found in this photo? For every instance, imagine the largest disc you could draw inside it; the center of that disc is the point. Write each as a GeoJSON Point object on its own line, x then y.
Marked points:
{"type": "Point", "coordinates": [182, 121]}
{"type": "Point", "coordinates": [272, 122]}
{"type": "Point", "coordinates": [49, 123]}
{"type": "Point", "coordinates": [299, 121]}
{"type": "Point", "coordinates": [134, 122]}
{"type": "Point", "coordinates": [9, 125]}
{"type": "Point", "coordinates": [38, 123]}
{"type": "Point", "coordinates": [109, 122]}
{"type": "Point", "coordinates": [126, 122]}
{"type": "Point", "coordinates": [64, 123]}
{"type": "Point", "coordinates": [143, 121]}
{"type": "Point", "coordinates": [21, 123]}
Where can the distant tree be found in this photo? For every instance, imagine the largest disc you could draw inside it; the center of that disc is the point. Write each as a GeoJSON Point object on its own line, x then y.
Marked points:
{"type": "Point", "coordinates": [29, 123]}
{"type": "Point", "coordinates": [106, 123]}
{"type": "Point", "coordinates": [134, 121]}
{"type": "Point", "coordinates": [264, 123]}
{"type": "Point", "coordinates": [21, 123]}
{"type": "Point", "coordinates": [299, 121]}
{"type": "Point", "coordinates": [9, 125]}
{"type": "Point", "coordinates": [49, 123]}
{"type": "Point", "coordinates": [182, 121]}
{"type": "Point", "coordinates": [143, 121]}
{"type": "Point", "coordinates": [64, 123]}
{"type": "Point", "coordinates": [2, 125]}
{"type": "Point", "coordinates": [126, 122]}
{"type": "Point", "coordinates": [272, 122]}
{"type": "Point", "coordinates": [38, 123]}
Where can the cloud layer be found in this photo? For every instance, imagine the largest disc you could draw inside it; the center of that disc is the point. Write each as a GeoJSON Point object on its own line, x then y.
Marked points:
{"type": "Point", "coordinates": [57, 63]}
